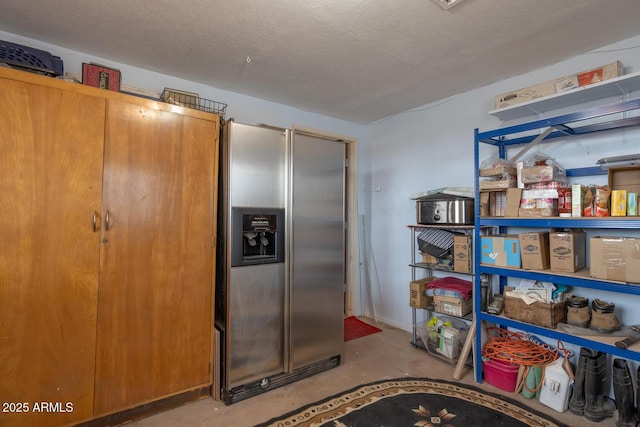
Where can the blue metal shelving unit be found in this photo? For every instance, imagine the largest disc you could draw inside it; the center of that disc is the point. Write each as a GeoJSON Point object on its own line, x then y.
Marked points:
{"type": "Point", "coordinates": [605, 118]}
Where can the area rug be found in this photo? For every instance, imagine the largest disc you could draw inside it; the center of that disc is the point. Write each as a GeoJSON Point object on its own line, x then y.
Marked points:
{"type": "Point", "coordinates": [414, 402]}
{"type": "Point", "coordinates": [356, 328]}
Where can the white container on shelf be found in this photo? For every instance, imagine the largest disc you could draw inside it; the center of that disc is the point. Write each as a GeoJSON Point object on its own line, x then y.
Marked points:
{"type": "Point", "coordinates": [556, 385]}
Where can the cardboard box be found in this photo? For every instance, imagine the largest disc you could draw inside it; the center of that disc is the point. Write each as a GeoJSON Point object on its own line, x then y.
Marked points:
{"type": "Point", "coordinates": [428, 258]}
{"type": "Point", "coordinates": [625, 178]}
{"type": "Point", "coordinates": [619, 203]}
{"type": "Point", "coordinates": [534, 250]}
{"type": "Point", "coordinates": [513, 202]}
{"type": "Point", "coordinates": [501, 250]}
{"type": "Point", "coordinates": [519, 167]}
{"type": "Point", "coordinates": [568, 250]}
{"type": "Point", "coordinates": [534, 174]}
{"type": "Point", "coordinates": [632, 204]}
{"type": "Point", "coordinates": [462, 253]}
{"type": "Point", "coordinates": [498, 170]}
{"type": "Point", "coordinates": [615, 258]}
{"type": "Point", "coordinates": [484, 204]}
{"type": "Point", "coordinates": [452, 306]}
{"type": "Point", "coordinates": [524, 94]}
{"type": "Point", "coordinates": [498, 184]}
{"type": "Point", "coordinates": [538, 207]}
{"type": "Point", "coordinates": [500, 203]}
{"type": "Point", "coordinates": [417, 296]}
{"type": "Point", "coordinates": [562, 84]}
{"type": "Point", "coordinates": [576, 200]}
{"type": "Point", "coordinates": [449, 342]}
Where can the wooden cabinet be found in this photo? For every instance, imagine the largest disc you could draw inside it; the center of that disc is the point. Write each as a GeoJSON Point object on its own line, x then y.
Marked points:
{"type": "Point", "coordinates": [107, 218]}
{"type": "Point", "coordinates": [50, 187]}
{"type": "Point", "coordinates": [155, 300]}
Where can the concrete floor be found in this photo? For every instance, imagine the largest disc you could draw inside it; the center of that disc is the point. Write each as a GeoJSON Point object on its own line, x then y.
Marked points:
{"type": "Point", "coordinates": [388, 354]}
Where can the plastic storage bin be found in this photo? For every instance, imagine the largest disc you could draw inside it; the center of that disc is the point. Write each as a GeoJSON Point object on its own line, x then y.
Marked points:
{"type": "Point", "coordinates": [500, 374]}
{"type": "Point", "coordinates": [444, 342]}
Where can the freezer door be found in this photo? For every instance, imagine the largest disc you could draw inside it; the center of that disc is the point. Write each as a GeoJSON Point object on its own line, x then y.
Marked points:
{"type": "Point", "coordinates": [257, 157]}
{"type": "Point", "coordinates": [317, 242]}
{"type": "Point", "coordinates": [256, 323]}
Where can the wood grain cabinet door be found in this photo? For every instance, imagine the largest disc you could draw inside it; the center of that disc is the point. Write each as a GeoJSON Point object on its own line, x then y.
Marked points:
{"type": "Point", "coordinates": [51, 147]}
{"type": "Point", "coordinates": [156, 279]}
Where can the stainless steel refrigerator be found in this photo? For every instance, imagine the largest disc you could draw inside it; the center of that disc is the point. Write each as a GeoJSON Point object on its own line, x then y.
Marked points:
{"type": "Point", "coordinates": [281, 258]}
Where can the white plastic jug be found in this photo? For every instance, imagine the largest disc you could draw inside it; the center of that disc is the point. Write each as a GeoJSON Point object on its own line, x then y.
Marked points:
{"type": "Point", "coordinates": [556, 385]}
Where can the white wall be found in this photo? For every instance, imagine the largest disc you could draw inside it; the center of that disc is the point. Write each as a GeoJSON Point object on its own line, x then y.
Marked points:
{"type": "Point", "coordinates": [432, 147]}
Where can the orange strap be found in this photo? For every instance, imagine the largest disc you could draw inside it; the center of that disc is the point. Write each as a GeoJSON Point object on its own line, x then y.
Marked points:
{"type": "Point", "coordinates": [513, 347]}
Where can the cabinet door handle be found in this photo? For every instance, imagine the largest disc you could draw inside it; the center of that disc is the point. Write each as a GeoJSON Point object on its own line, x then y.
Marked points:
{"type": "Point", "coordinates": [106, 221]}
{"type": "Point", "coordinates": [95, 221]}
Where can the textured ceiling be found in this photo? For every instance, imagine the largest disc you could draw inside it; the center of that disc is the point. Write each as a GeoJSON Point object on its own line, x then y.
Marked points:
{"type": "Point", "coordinates": [359, 60]}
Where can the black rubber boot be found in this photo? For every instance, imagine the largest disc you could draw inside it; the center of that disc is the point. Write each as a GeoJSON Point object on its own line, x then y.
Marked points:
{"type": "Point", "coordinates": [638, 394]}
{"type": "Point", "coordinates": [597, 406]}
{"type": "Point", "coordinates": [576, 404]}
{"type": "Point", "coordinates": [623, 392]}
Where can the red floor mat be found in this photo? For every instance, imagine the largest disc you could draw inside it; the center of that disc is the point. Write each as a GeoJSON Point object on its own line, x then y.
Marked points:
{"type": "Point", "coordinates": [356, 328]}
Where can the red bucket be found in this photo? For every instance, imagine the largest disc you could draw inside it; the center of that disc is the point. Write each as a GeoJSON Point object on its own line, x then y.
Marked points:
{"type": "Point", "coordinates": [503, 375]}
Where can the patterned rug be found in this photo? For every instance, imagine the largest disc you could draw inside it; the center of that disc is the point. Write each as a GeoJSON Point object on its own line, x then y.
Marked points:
{"type": "Point", "coordinates": [414, 402]}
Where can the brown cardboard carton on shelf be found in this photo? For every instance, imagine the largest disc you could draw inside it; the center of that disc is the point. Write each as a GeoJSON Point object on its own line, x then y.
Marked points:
{"type": "Point", "coordinates": [428, 258]}
{"type": "Point", "coordinates": [562, 84]}
{"type": "Point", "coordinates": [484, 204]}
{"type": "Point", "coordinates": [538, 207]}
{"type": "Point", "coordinates": [498, 184]}
{"type": "Point", "coordinates": [525, 94]}
{"type": "Point", "coordinates": [513, 202]}
{"type": "Point", "coordinates": [497, 168]}
{"type": "Point", "coordinates": [567, 250]}
{"type": "Point", "coordinates": [615, 258]}
{"type": "Point", "coordinates": [625, 178]}
{"type": "Point", "coordinates": [452, 306]}
{"type": "Point", "coordinates": [462, 253]}
{"type": "Point", "coordinates": [417, 296]}
{"type": "Point", "coordinates": [545, 173]}
{"type": "Point", "coordinates": [534, 250]}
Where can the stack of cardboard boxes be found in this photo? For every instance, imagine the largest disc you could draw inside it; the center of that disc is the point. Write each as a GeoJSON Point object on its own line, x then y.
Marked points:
{"type": "Point", "coordinates": [563, 251]}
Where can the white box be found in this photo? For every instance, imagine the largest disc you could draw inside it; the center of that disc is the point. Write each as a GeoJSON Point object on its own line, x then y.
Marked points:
{"type": "Point", "coordinates": [561, 84]}
{"type": "Point", "coordinates": [576, 200]}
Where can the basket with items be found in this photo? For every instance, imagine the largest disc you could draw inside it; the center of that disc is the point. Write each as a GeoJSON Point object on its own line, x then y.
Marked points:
{"type": "Point", "coordinates": [443, 337]}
